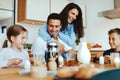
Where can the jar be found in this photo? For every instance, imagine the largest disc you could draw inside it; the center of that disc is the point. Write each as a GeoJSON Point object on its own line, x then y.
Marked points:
{"type": "Point", "coordinates": [52, 65]}
{"type": "Point", "coordinates": [83, 54]}
{"type": "Point", "coordinates": [52, 50]}
{"type": "Point", "coordinates": [39, 71]}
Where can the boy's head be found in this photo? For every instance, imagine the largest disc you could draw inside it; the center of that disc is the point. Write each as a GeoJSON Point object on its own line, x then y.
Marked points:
{"type": "Point", "coordinates": [114, 38]}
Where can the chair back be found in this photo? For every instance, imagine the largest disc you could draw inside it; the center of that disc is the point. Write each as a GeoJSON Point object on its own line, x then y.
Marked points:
{"type": "Point", "coordinates": [113, 74]}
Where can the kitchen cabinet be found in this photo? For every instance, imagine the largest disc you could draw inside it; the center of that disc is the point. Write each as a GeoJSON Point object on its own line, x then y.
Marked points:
{"type": "Point", "coordinates": [37, 11]}
{"type": "Point", "coordinates": [8, 6]}
{"type": "Point", "coordinates": [95, 53]}
{"type": "Point", "coordinates": [58, 5]}
{"type": "Point", "coordinates": [6, 18]}
{"type": "Point", "coordinates": [6, 12]}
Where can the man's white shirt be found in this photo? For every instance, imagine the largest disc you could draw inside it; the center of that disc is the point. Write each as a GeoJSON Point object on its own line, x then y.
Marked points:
{"type": "Point", "coordinates": [39, 46]}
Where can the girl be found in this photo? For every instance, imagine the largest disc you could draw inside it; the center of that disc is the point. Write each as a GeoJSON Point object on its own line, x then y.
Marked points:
{"type": "Point", "coordinates": [14, 55]}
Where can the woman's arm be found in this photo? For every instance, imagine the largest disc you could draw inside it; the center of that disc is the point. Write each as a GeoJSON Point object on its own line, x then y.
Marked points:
{"type": "Point", "coordinates": [68, 36]}
{"type": "Point", "coordinates": [43, 33]}
{"type": "Point", "coordinates": [66, 39]}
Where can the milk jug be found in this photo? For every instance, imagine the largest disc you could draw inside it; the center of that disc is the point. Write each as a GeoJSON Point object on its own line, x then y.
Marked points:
{"type": "Point", "coordinates": [83, 54]}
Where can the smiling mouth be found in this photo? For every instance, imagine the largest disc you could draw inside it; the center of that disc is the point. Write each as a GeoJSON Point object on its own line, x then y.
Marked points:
{"type": "Point", "coordinates": [53, 34]}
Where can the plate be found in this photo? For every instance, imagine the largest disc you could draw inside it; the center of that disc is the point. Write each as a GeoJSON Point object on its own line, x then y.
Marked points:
{"type": "Point", "coordinates": [57, 78]}
{"type": "Point", "coordinates": [52, 72]}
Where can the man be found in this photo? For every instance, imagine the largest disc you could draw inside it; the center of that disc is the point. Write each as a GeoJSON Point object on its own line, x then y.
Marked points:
{"type": "Point", "coordinates": [53, 28]}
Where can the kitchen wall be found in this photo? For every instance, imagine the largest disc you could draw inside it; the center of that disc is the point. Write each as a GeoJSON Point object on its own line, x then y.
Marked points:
{"type": "Point", "coordinates": [6, 17]}
{"type": "Point", "coordinates": [96, 27]}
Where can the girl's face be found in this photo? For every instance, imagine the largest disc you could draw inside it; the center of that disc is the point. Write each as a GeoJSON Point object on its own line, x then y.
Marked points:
{"type": "Point", "coordinates": [114, 40]}
{"type": "Point", "coordinates": [72, 15]}
{"type": "Point", "coordinates": [19, 41]}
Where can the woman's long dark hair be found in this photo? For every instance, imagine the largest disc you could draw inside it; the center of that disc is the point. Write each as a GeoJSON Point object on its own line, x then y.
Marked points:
{"type": "Point", "coordinates": [78, 23]}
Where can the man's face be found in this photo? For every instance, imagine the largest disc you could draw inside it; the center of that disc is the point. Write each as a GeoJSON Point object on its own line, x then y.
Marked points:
{"type": "Point", "coordinates": [114, 40]}
{"type": "Point", "coordinates": [54, 27]}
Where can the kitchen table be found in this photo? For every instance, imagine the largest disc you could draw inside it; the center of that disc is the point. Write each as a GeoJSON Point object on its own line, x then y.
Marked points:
{"type": "Point", "coordinates": [13, 73]}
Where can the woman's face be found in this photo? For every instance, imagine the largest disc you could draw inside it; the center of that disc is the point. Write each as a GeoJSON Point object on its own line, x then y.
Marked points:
{"type": "Point", "coordinates": [72, 15]}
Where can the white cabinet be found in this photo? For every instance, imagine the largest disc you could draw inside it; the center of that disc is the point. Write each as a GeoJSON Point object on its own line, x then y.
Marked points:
{"type": "Point", "coordinates": [8, 6]}
{"type": "Point", "coordinates": [58, 5]}
{"type": "Point", "coordinates": [37, 11]}
{"type": "Point", "coordinates": [6, 11]}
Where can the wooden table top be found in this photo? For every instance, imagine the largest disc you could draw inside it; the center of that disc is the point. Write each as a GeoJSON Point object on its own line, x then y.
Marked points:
{"type": "Point", "coordinates": [13, 73]}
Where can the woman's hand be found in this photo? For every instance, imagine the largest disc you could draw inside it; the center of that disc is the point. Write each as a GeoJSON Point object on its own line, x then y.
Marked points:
{"type": "Point", "coordinates": [14, 61]}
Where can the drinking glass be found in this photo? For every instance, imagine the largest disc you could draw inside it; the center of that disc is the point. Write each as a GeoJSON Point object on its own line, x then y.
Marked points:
{"type": "Point", "coordinates": [116, 60]}
{"type": "Point", "coordinates": [70, 57]}
{"type": "Point", "coordinates": [114, 57]}
{"type": "Point", "coordinates": [38, 59]}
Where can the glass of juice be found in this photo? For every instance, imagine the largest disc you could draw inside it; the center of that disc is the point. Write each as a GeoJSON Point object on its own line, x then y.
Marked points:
{"type": "Point", "coordinates": [70, 57]}
{"type": "Point", "coordinates": [38, 59]}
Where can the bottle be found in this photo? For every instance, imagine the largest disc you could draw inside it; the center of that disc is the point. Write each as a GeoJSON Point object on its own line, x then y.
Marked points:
{"type": "Point", "coordinates": [60, 61]}
{"type": "Point", "coordinates": [83, 54]}
{"type": "Point", "coordinates": [27, 65]}
{"type": "Point", "coordinates": [101, 60]}
{"type": "Point", "coordinates": [26, 69]}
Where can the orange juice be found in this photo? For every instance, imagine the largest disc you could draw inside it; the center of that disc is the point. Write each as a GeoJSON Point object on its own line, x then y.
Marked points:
{"type": "Point", "coordinates": [112, 61]}
{"type": "Point", "coordinates": [39, 71]}
{"type": "Point", "coordinates": [37, 62]}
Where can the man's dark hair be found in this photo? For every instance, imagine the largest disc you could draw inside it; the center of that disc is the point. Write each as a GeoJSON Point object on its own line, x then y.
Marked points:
{"type": "Point", "coordinates": [53, 16]}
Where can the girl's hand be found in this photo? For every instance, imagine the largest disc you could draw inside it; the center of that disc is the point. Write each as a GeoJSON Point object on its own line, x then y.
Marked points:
{"type": "Point", "coordinates": [14, 61]}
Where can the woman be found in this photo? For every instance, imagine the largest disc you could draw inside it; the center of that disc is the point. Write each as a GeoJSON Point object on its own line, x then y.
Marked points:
{"type": "Point", "coordinates": [72, 25]}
